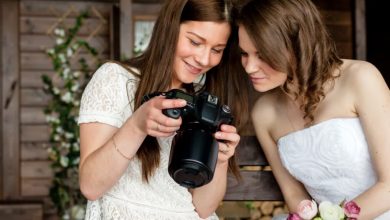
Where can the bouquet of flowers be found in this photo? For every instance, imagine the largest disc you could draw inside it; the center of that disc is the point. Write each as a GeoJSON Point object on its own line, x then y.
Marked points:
{"type": "Point", "coordinates": [308, 210]}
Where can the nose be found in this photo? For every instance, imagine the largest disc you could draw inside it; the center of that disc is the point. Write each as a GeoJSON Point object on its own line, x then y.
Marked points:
{"type": "Point", "coordinates": [203, 57]}
{"type": "Point", "coordinates": [251, 65]}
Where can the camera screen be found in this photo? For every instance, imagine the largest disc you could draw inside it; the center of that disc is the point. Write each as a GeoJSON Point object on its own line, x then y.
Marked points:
{"type": "Point", "coordinates": [184, 96]}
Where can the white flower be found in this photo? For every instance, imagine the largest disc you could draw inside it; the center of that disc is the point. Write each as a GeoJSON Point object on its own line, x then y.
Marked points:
{"type": "Point", "coordinates": [65, 145]}
{"type": "Point", "coordinates": [50, 51]}
{"type": "Point", "coordinates": [65, 216]}
{"type": "Point", "coordinates": [77, 212]}
{"type": "Point", "coordinates": [76, 161]}
{"type": "Point", "coordinates": [66, 72]}
{"type": "Point", "coordinates": [62, 32]}
{"type": "Point", "coordinates": [69, 52]}
{"type": "Point", "coordinates": [76, 103]}
{"type": "Point", "coordinates": [59, 32]}
{"type": "Point", "coordinates": [56, 137]}
{"type": "Point", "coordinates": [329, 211]}
{"type": "Point", "coordinates": [56, 91]}
{"type": "Point", "coordinates": [62, 58]}
{"type": "Point", "coordinates": [76, 147]}
{"type": "Point", "coordinates": [64, 161]}
{"type": "Point", "coordinates": [49, 118]}
{"type": "Point", "coordinates": [67, 97]}
{"type": "Point", "coordinates": [76, 74]}
{"type": "Point", "coordinates": [69, 135]}
{"type": "Point", "coordinates": [59, 130]}
{"type": "Point", "coordinates": [59, 41]}
{"type": "Point", "coordinates": [75, 87]}
{"type": "Point", "coordinates": [75, 46]}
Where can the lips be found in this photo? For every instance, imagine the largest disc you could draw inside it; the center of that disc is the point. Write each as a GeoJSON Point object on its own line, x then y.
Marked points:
{"type": "Point", "coordinates": [192, 69]}
{"type": "Point", "coordinates": [257, 79]}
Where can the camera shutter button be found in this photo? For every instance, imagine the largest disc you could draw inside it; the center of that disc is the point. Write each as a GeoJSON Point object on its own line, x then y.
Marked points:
{"type": "Point", "coordinates": [225, 109]}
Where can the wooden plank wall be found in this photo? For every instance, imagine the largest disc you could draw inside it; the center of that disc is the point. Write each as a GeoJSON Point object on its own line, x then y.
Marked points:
{"type": "Point", "coordinates": [36, 18]}
{"type": "Point", "coordinates": [338, 15]}
{"type": "Point", "coordinates": [10, 89]}
{"type": "Point", "coordinates": [33, 18]}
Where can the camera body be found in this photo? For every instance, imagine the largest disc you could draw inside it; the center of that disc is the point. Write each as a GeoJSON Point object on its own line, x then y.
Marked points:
{"type": "Point", "coordinates": [194, 151]}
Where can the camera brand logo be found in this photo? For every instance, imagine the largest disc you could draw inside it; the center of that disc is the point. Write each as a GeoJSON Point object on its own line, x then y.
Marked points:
{"type": "Point", "coordinates": [212, 99]}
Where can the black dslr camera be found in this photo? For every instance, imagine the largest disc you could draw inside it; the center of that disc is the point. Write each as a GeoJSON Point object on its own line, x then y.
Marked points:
{"type": "Point", "coordinates": [194, 151]}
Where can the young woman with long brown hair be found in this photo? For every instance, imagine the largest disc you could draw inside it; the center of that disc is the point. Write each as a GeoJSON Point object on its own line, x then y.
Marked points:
{"type": "Point", "coordinates": [125, 143]}
{"type": "Point", "coordinates": [323, 122]}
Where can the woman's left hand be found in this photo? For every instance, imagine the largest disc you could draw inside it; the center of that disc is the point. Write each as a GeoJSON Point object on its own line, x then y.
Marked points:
{"type": "Point", "coordinates": [228, 140]}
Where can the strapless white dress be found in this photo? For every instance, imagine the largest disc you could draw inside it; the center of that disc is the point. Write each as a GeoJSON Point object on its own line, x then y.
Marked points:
{"type": "Point", "coordinates": [331, 159]}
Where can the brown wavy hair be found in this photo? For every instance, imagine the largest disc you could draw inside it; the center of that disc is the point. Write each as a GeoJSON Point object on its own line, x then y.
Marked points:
{"type": "Point", "coordinates": [291, 37]}
{"type": "Point", "coordinates": [156, 68]}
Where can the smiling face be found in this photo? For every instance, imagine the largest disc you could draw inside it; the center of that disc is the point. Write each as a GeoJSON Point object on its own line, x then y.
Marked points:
{"type": "Point", "coordinates": [200, 47]}
{"type": "Point", "coordinates": [262, 75]}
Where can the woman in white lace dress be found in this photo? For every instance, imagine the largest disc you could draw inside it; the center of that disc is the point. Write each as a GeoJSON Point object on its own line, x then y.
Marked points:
{"type": "Point", "coordinates": [125, 144]}
{"type": "Point", "coordinates": [323, 122]}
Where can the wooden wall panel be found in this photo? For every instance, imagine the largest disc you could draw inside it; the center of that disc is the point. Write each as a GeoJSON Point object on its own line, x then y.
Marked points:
{"type": "Point", "coordinates": [40, 61]}
{"type": "Point", "coordinates": [34, 151]}
{"type": "Point", "coordinates": [36, 169]}
{"type": "Point", "coordinates": [34, 97]}
{"type": "Point", "coordinates": [50, 8]}
{"type": "Point", "coordinates": [32, 115]}
{"type": "Point", "coordinates": [20, 211]}
{"type": "Point", "coordinates": [10, 88]}
{"type": "Point", "coordinates": [35, 133]}
{"type": "Point", "coordinates": [35, 187]}
{"type": "Point", "coordinates": [36, 18]}
{"type": "Point", "coordinates": [43, 42]}
{"type": "Point", "coordinates": [32, 78]}
{"type": "Point", "coordinates": [40, 25]}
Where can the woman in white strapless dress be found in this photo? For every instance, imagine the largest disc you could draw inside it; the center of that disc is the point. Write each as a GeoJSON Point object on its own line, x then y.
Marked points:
{"type": "Point", "coordinates": [323, 122]}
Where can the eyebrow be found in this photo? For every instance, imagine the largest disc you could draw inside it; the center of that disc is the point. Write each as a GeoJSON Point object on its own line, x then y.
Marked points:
{"type": "Point", "coordinates": [241, 50]}
{"type": "Point", "coordinates": [203, 39]}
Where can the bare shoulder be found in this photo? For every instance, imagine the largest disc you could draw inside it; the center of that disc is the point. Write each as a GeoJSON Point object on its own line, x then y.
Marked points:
{"type": "Point", "coordinates": [264, 110]}
{"type": "Point", "coordinates": [358, 74]}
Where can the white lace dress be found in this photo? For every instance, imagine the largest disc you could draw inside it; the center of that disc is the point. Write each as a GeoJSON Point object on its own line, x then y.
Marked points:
{"type": "Point", "coordinates": [331, 159]}
{"type": "Point", "coordinates": [108, 98]}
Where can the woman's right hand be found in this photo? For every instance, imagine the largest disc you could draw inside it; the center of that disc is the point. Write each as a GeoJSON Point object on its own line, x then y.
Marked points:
{"type": "Point", "coordinates": [150, 120]}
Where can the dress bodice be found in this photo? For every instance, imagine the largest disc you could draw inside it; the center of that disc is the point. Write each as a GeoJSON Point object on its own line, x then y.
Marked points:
{"type": "Point", "coordinates": [109, 99]}
{"type": "Point", "coordinates": [331, 159]}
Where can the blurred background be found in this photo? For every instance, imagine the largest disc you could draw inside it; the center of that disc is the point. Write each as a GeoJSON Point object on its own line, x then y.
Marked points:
{"type": "Point", "coordinates": [48, 51]}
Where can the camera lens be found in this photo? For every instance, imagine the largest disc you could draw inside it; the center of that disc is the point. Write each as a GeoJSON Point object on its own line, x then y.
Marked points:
{"type": "Point", "coordinates": [193, 156]}
{"type": "Point", "coordinates": [191, 174]}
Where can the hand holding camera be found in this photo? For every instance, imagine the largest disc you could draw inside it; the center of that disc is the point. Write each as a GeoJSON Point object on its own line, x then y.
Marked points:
{"type": "Point", "coordinates": [194, 151]}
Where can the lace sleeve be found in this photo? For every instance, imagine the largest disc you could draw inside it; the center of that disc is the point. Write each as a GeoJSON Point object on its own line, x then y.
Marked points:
{"type": "Point", "coordinates": [107, 97]}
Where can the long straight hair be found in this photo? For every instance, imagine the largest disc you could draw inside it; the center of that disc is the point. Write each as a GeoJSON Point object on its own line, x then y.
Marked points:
{"type": "Point", "coordinates": [291, 37]}
{"type": "Point", "coordinates": [156, 66]}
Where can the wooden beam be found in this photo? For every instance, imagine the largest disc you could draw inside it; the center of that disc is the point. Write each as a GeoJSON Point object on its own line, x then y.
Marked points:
{"type": "Point", "coordinates": [1, 98]}
{"type": "Point", "coordinates": [360, 30]}
{"type": "Point", "coordinates": [10, 186]}
{"type": "Point", "coordinates": [126, 29]}
{"type": "Point", "coordinates": [21, 211]}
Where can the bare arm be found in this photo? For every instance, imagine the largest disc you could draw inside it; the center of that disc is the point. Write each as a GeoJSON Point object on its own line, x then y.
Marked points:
{"type": "Point", "coordinates": [206, 199]}
{"type": "Point", "coordinates": [101, 165]}
{"type": "Point", "coordinates": [292, 190]}
{"type": "Point", "coordinates": [372, 103]}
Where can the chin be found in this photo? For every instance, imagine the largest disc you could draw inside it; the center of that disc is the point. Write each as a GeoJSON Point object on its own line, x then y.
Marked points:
{"type": "Point", "coordinates": [263, 88]}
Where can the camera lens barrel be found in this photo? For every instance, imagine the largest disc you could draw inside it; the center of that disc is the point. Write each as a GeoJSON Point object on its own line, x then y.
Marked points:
{"type": "Point", "coordinates": [193, 156]}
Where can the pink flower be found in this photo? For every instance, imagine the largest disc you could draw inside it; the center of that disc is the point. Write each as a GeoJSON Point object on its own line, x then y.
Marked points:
{"type": "Point", "coordinates": [351, 209]}
{"type": "Point", "coordinates": [293, 216]}
{"type": "Point", "coordinates": [307, 209]}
